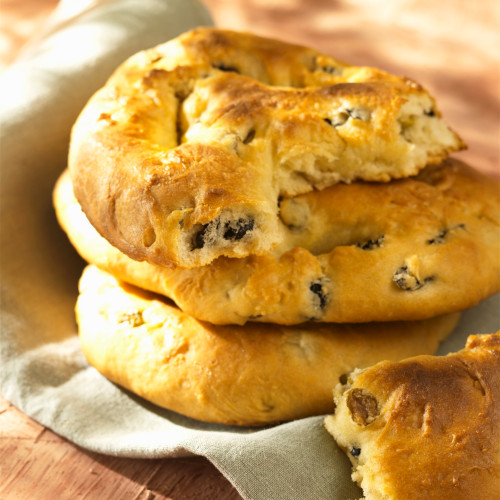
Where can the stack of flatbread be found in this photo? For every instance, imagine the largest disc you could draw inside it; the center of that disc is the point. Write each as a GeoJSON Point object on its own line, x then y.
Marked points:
{"type": "Point", "coordinates": [261, 220]}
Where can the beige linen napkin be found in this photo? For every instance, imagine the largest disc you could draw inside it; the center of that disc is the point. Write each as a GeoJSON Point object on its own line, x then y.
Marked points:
{"type": "Point", "coordinates": [42, 370]}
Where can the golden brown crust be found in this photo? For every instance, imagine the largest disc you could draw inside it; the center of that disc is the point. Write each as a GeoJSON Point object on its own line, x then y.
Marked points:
{"type": "Point", "coordinates": [251, 375]}
{"type": "Point", "coordinates": [437, 433]}
{"type": "Point", "coordinates": [408, 249]}
{"type": "Point", "coordinates": [181, 157]}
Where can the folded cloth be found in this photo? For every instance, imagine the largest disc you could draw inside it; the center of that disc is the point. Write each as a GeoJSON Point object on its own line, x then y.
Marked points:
{"type": "Point", "coordinates": [42, 370]}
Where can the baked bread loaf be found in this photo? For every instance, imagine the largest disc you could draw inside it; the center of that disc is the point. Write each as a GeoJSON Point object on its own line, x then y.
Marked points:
{"type": "Point", "coordinates": [243, 375]}
{"type": "Point", "coordinates": [405, 250]}
{"type": "Point", "coordinates": [426, 427]}
{"type": "Point", "coordinates": [183, 155]}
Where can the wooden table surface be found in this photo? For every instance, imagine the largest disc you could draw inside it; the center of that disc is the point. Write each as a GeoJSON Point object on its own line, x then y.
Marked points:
{"type": "Point", "coordinates": [36, 464]}
{"type": "Point", "coordinates": [453, 52]}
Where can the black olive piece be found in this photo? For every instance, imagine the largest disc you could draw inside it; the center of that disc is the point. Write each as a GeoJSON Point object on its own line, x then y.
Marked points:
{"type": "Point", "coordinates": [355, 452]}
{"type": "Point", "coordinates": [439, 238]}
{"type": "Point", "coordinates": [232, 230]}
{"type": "Point", "coordinates": [332, 70]}
{"type": "Point", "coordinates": [224, 67]}
{"type": "Point", "coordinates": [406, 280]}
{"type": "Point", "coordinates": [250, 137]}
{"type": "Point", "coordinates": [338, 120]}
{"type": "Point", "coordinates": [430, 112]}
{"type": "Point", "coordinates": [358, 114]}
{"type": "Point", "coordinates": [317, 288]}
{"type": "Point", "coordinates": [236, 230]}
{"type": "Point", "coordinates": [371, 244]}
{"type": "Point", "coordinates": [199, 238]}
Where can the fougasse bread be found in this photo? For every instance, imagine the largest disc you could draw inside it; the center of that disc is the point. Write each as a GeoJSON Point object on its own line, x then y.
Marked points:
{"type": "Point", "coordinates": [249, 375]}
{"type": "Point", "coordinates": [184, 154]}
{"type": "Point", "coordinates": [425, 427]}
{"type": "Point", "coordinates": [405, 250]}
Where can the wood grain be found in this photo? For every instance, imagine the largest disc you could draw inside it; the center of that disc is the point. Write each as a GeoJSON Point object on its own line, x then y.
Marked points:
{"type": "Point", "coordinates": [37, 464]}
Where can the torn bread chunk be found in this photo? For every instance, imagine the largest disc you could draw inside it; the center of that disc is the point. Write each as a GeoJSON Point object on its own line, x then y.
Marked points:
{"type": "Point", "coordinates": [184, 153]}
{"type": "Point", "coordinates": [426, 427]}
{"type": "Point", "coordinates": [412, 249]}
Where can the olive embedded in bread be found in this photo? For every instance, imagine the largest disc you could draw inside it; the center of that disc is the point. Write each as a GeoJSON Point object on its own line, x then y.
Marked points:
{"type": "Point", "coordinates": [183, 155]}
{"type": "Point", "coordinates": [408, 249]}
{"type": "Point", "coordinates": [255, 374]}
{"type": "Point", "coordinates": [424, 427]}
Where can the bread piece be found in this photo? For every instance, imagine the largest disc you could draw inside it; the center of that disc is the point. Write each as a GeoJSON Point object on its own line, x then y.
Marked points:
{"type": "Point", "coordinates": [406, 250]}
{"type": "Point", "coordinates": [426, 427]}
{"type": "Point", "coordinates": [251, 375]}
{"type": "Point", "coordinates": [182, 156]}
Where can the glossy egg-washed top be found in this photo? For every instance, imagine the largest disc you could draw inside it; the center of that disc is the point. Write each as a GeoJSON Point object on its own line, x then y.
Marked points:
{"type": "Point", "coordinates": [426, 427]}
{"type": "Point", "coordinates": [185, 152]}
{"type": "Point", "coordinates": [407, 249]}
